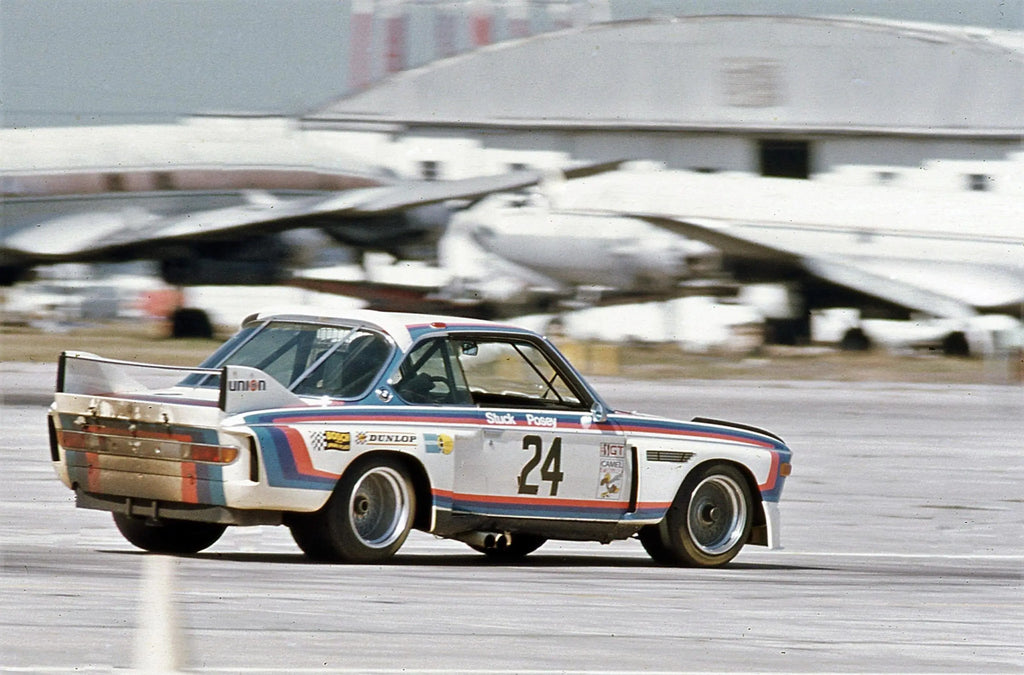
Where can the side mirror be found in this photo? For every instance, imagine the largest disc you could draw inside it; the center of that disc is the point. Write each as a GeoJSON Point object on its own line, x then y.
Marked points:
{"type": "Point", "coordinates": [469, 348]}
{"type": "Point", "coordinates": [598, 412]}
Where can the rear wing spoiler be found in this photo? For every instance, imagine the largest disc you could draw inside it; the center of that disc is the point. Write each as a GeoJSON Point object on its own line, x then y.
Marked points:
{"type": "Point", "coordinates": [242, 388]}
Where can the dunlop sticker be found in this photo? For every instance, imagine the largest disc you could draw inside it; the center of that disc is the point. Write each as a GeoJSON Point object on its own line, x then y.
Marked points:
{"type": "Point", "coordinates": [389, 438]}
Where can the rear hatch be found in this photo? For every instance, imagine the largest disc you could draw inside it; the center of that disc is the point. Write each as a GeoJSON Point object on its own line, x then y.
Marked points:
{"type": "Point", "coordinates": [156, 432]}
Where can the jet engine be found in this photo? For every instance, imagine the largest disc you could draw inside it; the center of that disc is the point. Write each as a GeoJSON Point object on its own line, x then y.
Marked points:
{"type": "Point", "coordinates": [257, 261]}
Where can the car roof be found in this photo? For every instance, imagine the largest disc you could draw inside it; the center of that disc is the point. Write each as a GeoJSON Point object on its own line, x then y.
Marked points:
{"type": "Point", "coordinates": [404, 328]}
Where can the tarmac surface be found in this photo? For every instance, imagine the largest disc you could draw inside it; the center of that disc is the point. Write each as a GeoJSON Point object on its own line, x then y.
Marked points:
{"type": "Point", "coordinates": [903, 528]}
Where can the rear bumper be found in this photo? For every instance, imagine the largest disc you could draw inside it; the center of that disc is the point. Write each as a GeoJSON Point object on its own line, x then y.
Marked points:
{"type": "Point", "coordinates": [151, 508]}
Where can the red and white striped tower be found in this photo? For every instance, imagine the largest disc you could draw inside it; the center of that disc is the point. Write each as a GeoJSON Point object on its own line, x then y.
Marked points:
{"type": "Point", "coordinates": [360, 62]}
{"type": "Point", "coordinates": [396, 34]}
{"type": "Point", "coordinates": [481, 22]}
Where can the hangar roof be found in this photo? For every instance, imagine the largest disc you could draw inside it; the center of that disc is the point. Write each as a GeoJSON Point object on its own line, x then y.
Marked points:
{"type": "Point", "coordinates": [728, 73]}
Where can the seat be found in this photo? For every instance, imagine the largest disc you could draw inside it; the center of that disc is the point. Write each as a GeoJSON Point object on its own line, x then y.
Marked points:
{"type": "Point", "coordinates": [416, 389]}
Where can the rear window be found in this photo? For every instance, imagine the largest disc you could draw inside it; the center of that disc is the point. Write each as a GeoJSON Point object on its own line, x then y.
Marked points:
{"type": "Point", "coordinates": [309, 359]}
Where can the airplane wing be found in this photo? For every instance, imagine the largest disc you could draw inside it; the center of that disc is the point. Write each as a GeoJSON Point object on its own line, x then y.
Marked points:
{"type": "Point", "coordinates": [888, 288]}
{"type": "Point", "coordinates": [725, 241]}
{"type": "Point", "coordinates": [944, 290]}
{"type": "Point", "coordinates": [391, 297]}
{"type": "Point", "coordinates": [133, 231]}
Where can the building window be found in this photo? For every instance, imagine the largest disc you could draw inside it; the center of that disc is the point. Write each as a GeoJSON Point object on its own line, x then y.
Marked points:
{"type": "Point", "coordinates": [979, 182]}
{"type": "Point", "coordinates": [114, 182]}
{"type": "Point", "coordinates": [430, 169]}
{"type": "Point", "coordinates": [785, 159]}
{"type": "Point", "coordinates": [163, 180]}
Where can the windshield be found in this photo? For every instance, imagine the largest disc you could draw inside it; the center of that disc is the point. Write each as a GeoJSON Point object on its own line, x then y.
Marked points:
{"type": "Point", "coordinates": [309, 359]}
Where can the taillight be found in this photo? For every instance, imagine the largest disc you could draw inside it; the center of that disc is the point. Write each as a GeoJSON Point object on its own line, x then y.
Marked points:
{"type": "Point", "coordinates": [217, 454]}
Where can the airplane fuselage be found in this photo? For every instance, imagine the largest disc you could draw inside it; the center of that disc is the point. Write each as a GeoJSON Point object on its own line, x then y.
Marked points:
{"type": "Point", "coordinates": [942, 253]}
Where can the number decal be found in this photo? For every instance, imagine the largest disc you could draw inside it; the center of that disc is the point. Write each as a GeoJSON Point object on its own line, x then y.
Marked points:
{"type": "Point", "coordinates": [550, 471]}
{"type": "Point", "coordinates": [526, 488]}
{"type": "Point", "coordinates": [552, 468]}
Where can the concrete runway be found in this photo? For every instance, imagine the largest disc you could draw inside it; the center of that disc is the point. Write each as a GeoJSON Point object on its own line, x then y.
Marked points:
{"type": "Point", "coordinates": [903, 525]}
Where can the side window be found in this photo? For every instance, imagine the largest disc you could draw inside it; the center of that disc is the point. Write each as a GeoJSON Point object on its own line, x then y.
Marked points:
{"type": "Point", "coordinates": [431, 374]}
{"type": "Point", "coordinates": [513, 374]}
{"type": "Point", "coordinates": [343, 363]}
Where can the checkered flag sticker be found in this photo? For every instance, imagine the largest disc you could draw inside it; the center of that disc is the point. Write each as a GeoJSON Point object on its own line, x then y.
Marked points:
{"type": "Point", "coordinates": [317, 442]}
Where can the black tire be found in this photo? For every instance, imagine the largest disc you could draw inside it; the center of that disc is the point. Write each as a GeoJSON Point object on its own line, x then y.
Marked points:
{"type": "Point", "coordinates": [855, 340]}
{"type": "Point", "coordinates": [520, 546]}
{"type": "Point", "coordinates": [168, 536]}
{"type": "Point", "coordinates": [709, 520]}
{"type": "Point", "coordinates": [650, 537]}
{"type": "Point", "coordinates": [306, 532]}
{"type": "Point", "coordinates": [366, 520]}
{"type": "Point", "coordinates": [956, 344]}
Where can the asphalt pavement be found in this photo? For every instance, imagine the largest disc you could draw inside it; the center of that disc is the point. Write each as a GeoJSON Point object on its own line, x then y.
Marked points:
{"type": "Point", "coordinates": [903, 528]}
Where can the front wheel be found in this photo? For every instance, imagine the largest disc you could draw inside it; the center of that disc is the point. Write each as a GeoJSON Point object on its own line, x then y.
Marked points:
{"type": "Point", "coordinates": [707, 524]}
{"type": "Point", "coordinates": [367, 518]}
{"type": "Point", "coordinates": [168, 536]}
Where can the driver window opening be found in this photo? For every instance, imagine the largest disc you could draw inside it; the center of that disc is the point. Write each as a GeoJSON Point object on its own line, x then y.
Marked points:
{"type": "Point", "coordinates": [513, 374]}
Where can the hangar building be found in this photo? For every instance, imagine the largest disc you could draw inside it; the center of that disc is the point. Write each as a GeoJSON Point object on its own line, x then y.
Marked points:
{"type": "Point", "coordinates": [775, 95]}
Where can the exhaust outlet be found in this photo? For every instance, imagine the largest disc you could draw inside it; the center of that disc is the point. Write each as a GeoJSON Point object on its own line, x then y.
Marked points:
{"type": "Point", "coordinates": [486, 540]}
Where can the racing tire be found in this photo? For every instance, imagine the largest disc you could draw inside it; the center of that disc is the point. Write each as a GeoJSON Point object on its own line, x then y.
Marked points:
{"type": "Point", "coordinates": [956, 344]}
{"type": "Point", "coordinates": [307, 535]}
{"type": "Point", "coordinates": [521, 546]}
{"type": "Point", "coordinates": [366, 519]}
{"type": "Point", "coordinates": [709, 520]}
{"type": "Point", "coordinates": [168, 536]}
{"type": "Point", "coordinates": [855, 340]}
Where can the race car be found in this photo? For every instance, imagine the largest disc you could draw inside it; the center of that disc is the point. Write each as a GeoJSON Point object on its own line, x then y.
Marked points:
{"type": "Point", "coordinates": [352, 430]}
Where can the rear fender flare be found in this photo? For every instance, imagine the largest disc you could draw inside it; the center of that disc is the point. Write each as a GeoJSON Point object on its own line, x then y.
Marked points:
{"type": "Point", "coordinates": [423, 518]}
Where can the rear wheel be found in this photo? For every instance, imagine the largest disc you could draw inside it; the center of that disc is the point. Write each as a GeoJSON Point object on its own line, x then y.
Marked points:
{"type": "Point", "coordinates": [707, 524]}
{"type": "Point", "coordinates": [168, 536]}
{"type": "Point", "coordinates": [366, 520]}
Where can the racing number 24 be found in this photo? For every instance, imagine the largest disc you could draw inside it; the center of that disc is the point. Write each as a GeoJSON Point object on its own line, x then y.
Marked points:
{"type": "Point", "coordinates": [550, 470]}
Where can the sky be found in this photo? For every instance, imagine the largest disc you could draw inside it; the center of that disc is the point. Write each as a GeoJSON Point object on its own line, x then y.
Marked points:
{"type": "Point", "coordinates": [82, 62]}
{"type": "Point", "coordinates": [109, 61]}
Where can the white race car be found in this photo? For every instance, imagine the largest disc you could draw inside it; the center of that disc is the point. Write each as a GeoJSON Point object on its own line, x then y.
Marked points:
{"type": "Point", "coordinates": [352, 430]}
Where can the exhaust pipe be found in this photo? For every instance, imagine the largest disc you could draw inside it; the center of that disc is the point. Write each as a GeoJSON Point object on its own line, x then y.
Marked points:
{"type": "Point", "coordinates": [498, 541]}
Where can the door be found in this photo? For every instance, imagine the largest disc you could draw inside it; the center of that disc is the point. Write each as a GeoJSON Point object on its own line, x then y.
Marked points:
{"type": "Point", "coordinates": [543, 455]}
